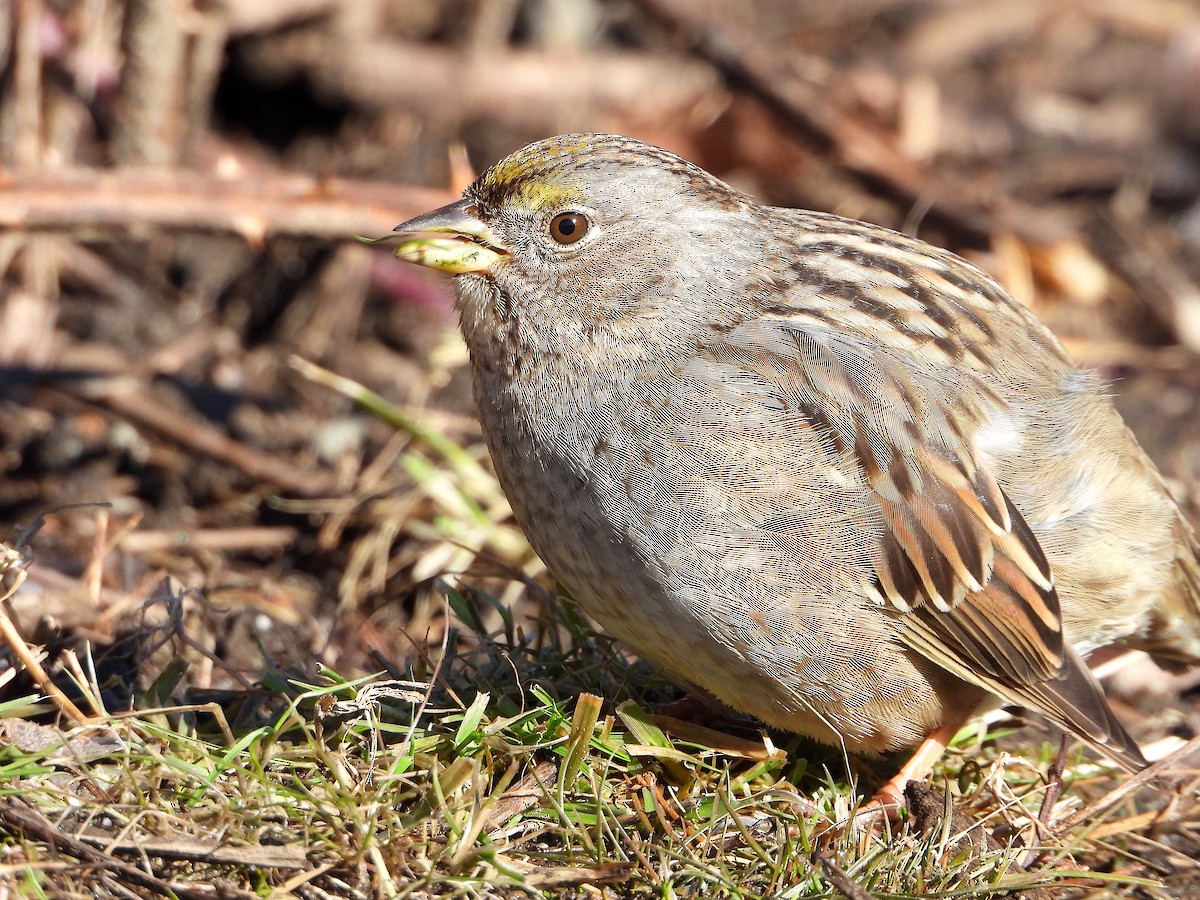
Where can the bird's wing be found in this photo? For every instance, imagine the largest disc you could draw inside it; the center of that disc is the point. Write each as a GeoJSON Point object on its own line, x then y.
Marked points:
{"type": "Point", "coordinates": [955, 558]}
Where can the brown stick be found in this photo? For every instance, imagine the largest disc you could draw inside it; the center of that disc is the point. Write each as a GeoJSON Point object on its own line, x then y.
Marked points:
{"type": "Point", "coordinates": [191, 850]}
{"type": "Point", "coordinates": [149, 122]}
{"type": "Point", "coordinates": [525, 85]}
{"type": "Point", "coordinates": [26, 88]}
{"type": "Point", "coordinates": [12, 567]}
{"type": "Point", "coordinates": [144, 408]}
{"type": "Point", "coordinates": [1130, 786]}
{"type": "Point", "coordinates": [838, 877]}
{"type": "Point", "coordinates": [749, 66]}
{"type": "Point", "coordinates": [253, 207]}
{"type": "Point", "coordinates": [274, 15]}
{"type": "Point", "coordinates": [211, 539]}
{"type": "Point", "coordinates": [19, 818]}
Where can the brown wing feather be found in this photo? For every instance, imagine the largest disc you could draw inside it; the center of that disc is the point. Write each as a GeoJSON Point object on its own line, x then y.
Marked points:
{"type": "Point", "coordinates": [994, 617]}
{"type": "Point", "coordinates": [956, 556]}
{"type": "Point", "coordinates": [1070, 697]}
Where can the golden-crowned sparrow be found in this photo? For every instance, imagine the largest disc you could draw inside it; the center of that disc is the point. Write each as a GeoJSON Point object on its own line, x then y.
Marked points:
{"type": "Point", "coordinates": [829, 474]}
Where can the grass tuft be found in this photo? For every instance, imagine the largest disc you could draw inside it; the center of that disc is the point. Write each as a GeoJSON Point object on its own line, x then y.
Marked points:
{"type": "Point", "coordinates": [516, 753]}
{"type": "Point", "coordinates": [479, 775]}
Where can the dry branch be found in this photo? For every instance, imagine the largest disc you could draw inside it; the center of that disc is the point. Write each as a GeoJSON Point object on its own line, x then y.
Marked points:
{"type": "Point", "coordinates": [140, 406]}
{"type": "Point", "coordinates": [131, 199]}
{"type": "Point", "coordinates": [149, 123]}
{"type": "Point", "coordinates": [452, 86]}
{"type": "Point", "coordinates": [269, 15]}
{"type": "Point", "coordinates": [188, 849]}
{"type": "Point", "coordinates": [16, 817]}
{"type": "Point", "coordinates": [803, 103]}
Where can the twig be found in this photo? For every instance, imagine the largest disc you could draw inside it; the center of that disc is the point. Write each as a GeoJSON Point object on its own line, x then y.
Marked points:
{"type": "Point", "coordinates": [749, 66]}
{"type": "Point", "coordinates": [275, 15]}
{"type": "Point", "coordinates": [12, 564]}
{"type": "Point", "coordinates": [206, 55]}
{"type": "Point", "coordinates": [143, 407]}
{"type": "Point", "coordinates": [273, 203]}
{"type": "Point", "coordinates": [839, 878]}
{"type": "Point", "coordinates": [23, 819]}
{"type": "Point", "coordinates": [148, 124]}
{"type": "Point", "coordinates": [210, 539]}
{"type": "Point", "coordinates": [1054, 786]}
{"type": "Point", "coordinates": [44, 682]}
{"type": "Point", "coordinates": [1130, 786]}
{"type": "Point", "coordinates": [523, 86]}
{"type": "Point", "coordinates": [191, 850]}
{"type": "Point", "coordinates": [26, 84]}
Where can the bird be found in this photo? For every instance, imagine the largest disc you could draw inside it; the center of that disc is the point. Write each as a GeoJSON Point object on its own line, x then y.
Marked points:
{"type": "Point", "coordinates": [830, 475]}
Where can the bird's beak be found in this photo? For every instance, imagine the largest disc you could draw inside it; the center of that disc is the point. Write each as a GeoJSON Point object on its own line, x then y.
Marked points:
{"type": "Point", "coordinates": [452, 239]}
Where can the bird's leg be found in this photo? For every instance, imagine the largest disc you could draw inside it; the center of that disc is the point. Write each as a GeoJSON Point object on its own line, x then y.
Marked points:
{"type": "Point", "coordinates": [694, 706]}
{"type": "Point", "coordinates": [889, 799]}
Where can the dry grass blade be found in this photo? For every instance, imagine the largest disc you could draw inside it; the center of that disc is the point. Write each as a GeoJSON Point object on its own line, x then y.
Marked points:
{"type": "Point", "coordinates": [23, 820]}
{"type": "Point", "coordinates": [1130, 786]}
{"type": "Point", "coordinates": [839, 879]}
{"type": "Point", "coordinates": [13, 567]}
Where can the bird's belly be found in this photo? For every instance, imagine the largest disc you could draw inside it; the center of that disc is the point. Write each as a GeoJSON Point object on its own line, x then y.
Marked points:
{"type": "Point", "coordinates": [751, 610]}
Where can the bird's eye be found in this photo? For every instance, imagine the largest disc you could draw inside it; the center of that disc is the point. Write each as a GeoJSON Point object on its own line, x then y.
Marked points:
{"type": "Point", "coordinates": [568, 227]}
